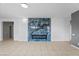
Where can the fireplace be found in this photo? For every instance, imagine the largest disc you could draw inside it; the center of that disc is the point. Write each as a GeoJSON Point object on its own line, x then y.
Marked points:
{"type": "Point", "coordinates": [39, 29]}
{"type": "Point", "coordinates": [39, 36]}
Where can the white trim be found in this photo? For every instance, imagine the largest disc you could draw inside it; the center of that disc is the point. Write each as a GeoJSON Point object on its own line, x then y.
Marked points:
{"type": "Point", "coordinates": [20, 40]}
{"type": "Point", "coordinates": [1, 40]}
{"type": "Point", "coordinates": [74, 46]}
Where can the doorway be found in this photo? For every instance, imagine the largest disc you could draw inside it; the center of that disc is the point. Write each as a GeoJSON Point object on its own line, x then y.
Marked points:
{"type": "Point", "coordinates": [8, 33]}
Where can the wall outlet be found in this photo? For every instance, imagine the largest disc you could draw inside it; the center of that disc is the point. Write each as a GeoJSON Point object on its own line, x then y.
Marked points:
{"type": "Point", "coordinates": [78, 44]}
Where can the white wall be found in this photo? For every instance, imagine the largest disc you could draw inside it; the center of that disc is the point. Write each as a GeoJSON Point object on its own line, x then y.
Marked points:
{"type": "Point", "coordinates": [60, 29]}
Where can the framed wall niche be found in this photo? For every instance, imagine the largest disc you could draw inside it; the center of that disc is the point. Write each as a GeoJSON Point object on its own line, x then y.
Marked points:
{"type": "Point", "coordinates": [39, 29]}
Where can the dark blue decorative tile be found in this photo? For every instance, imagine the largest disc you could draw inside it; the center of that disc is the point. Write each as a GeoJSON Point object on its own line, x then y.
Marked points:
{"type": "Point", "coordinates": [39, 29]}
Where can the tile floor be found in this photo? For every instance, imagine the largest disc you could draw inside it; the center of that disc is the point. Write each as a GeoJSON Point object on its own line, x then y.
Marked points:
{"type": "Point", "coordinates": [19, 48]}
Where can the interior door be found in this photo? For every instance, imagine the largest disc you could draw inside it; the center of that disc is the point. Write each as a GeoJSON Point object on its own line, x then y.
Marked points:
{"type": "Point", "coordinates": [7, 30]}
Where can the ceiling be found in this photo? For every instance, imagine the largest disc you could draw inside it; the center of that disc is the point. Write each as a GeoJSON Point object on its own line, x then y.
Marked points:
{"type": "Point", "coordinates": [58, 10]}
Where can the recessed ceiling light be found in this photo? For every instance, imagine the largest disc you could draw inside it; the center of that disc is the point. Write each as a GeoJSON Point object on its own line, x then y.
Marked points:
{"type": "Point", "coordinates": [24, 5]}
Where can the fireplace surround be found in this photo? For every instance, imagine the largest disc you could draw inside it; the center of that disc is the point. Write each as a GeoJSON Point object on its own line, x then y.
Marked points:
{"type": "Point", "coordinates": [39, 29]}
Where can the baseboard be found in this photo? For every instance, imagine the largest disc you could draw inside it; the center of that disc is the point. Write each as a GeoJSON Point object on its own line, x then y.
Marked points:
{"type": "Point", "coordinates": [74, 46]}
{"type": "Point", "coordinates": [1, 40]}
{"type": "Point", "coordinates": [21, 40]}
